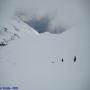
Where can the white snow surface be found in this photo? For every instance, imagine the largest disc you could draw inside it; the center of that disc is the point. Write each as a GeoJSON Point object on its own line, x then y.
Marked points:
{"type": "Point", "coordinates": [26, 62]}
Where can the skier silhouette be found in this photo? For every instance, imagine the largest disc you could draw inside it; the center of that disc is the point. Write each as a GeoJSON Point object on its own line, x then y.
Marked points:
{"type": "Point", "coordinates": [62, 60]}
{"type": "Point", "coordinates": [74, 59]}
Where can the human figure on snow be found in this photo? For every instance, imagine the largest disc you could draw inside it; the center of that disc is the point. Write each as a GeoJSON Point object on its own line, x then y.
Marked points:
{"type": "Point", "coordinates": [62, 60]}
{"type": "Point", "coordinates": [74, 58]}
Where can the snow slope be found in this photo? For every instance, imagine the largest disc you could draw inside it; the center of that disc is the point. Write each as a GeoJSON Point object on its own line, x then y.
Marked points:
{"type": "Point", "coordinates": [26, 62]}
{"type": "Point", "coordinates": [13, 30]}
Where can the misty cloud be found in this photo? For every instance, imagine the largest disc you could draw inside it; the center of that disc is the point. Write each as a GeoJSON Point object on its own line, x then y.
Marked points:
{"type": "Point", "coordinates": [65, 12]}
{"type": "Point", "coordinates": [42, 24]}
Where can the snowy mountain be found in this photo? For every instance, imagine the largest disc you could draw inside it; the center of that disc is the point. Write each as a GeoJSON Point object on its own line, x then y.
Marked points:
{"type": "Point", "coordinates": [19, 26]}
{"type": "Point", "coordinates": [14, 30]}
{"type": "Point", "coordinates": [27, 62]}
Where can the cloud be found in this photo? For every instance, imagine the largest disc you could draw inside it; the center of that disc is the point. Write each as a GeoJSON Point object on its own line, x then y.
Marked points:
{"type": "Point", "coordinates": [43, 24]}
{"type": "Point", "coordinates": [65, 13]}
{"type": "Point", "coordinates": [40, 25]}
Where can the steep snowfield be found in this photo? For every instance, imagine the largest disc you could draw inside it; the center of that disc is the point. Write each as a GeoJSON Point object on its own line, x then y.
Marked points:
{"type": "Point", "coordinates": [26, 62]}
{"type": "Point", "coordinates": [13, 30]}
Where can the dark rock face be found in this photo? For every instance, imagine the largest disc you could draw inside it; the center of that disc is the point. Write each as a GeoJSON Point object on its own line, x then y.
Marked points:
{"type": "Point", "coordinates": [2, 44]}
{"type": "Point", "coordinates": [6, 36]}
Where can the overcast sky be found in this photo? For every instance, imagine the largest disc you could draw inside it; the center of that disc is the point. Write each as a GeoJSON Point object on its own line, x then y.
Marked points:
{"type": "Point", "coordinates": [66, 13]}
